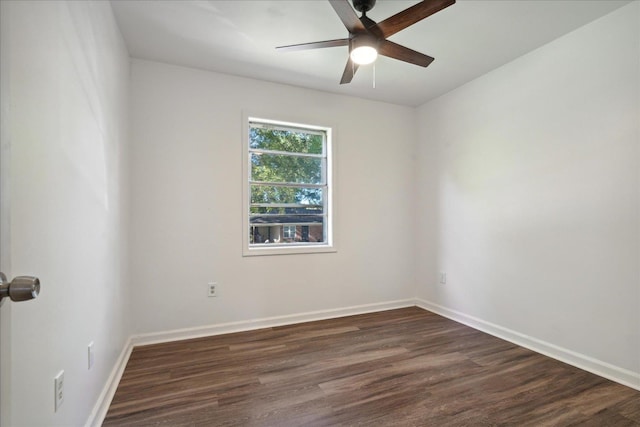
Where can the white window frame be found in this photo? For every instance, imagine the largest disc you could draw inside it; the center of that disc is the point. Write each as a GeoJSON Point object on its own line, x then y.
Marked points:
{"type": "Point", "coordinates": [292, 248]}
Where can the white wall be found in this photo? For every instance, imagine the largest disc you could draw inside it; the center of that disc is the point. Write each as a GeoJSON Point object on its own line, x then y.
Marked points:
{"type": "Point", "coordinates": [187, 205]}
{"type": "Point", "coordinates": [68, 73]}
{"type": "Point", "coordinates": [529, 194]}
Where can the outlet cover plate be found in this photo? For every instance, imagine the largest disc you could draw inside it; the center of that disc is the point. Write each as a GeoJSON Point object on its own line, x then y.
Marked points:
{"type": "Point", "coordinates": [58, 384]}
{"type": "Point", "coordinates": [212, 288]}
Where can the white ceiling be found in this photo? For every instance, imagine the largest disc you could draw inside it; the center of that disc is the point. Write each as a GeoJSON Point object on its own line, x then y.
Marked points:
{"type": "Point", "coordinates": [239, 37]}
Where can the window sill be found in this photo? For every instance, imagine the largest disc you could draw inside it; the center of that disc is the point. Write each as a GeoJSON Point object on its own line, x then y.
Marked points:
{"type": "Point", "coordinates": [294, 250]}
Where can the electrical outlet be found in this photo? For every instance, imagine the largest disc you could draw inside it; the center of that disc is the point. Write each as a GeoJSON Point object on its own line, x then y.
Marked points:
{"type": "Point", "coordinates": [58, 384]}
{"type": "Point", "coordinates": [90, 355]}
{"type": "Point", "coordinates": [213, 289]}
{"type": "Point", "coordinates": [443, 277]}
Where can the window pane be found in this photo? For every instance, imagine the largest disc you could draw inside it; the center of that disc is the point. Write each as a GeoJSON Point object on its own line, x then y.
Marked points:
{"type": "Point", "coordinates": [285, 220]}
{"type": "Point", "coordinates": [285, 140]}
{"type": "Point", "coordinates": [284, 168]}
{"type": "Point", "coordinates": [279, 234]}
{"type": "Point", "coordinates": [262, 194]}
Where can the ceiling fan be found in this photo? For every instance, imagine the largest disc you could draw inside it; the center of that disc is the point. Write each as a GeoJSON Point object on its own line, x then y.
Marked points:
{"type": "Point", "coordinates": [367, 38]}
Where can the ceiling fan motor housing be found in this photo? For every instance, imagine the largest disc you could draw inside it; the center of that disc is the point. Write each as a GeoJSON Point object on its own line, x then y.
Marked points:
{"type": "Point", "coordinates": [363, 5]}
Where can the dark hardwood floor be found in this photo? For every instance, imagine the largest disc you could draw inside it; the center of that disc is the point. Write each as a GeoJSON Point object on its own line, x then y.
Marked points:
{"type": "Point", "coordinates": [406, 367]}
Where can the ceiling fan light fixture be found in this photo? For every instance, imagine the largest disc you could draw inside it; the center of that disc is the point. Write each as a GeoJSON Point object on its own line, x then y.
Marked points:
{"type": "Point", "coordinates": [363, 49]}
{"type": "Point", "coordinates": [363, 55]}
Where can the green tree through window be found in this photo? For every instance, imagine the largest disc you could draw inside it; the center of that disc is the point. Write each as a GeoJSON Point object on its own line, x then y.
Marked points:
{"type": "Point", "coordinates": [282, 168]}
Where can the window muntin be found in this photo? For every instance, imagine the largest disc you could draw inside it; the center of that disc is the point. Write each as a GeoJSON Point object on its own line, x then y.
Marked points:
{"type": "Point", "coordinates": [288, 187]}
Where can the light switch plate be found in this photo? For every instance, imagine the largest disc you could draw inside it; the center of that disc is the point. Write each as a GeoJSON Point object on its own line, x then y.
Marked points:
{"type": "Point", "coordinates": [443, 277]}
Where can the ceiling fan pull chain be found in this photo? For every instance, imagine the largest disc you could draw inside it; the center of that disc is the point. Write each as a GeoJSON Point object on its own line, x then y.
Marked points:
{"type": "Point", "coordinates": [374, 75]}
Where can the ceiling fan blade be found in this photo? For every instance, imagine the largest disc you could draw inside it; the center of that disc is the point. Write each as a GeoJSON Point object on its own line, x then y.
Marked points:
{"type": "Point", "coordinates": [396, 51]}
{"type": "Point", "coordinates": [410, 16]}
{"type": "Point", "coordinates": [347, 15]}
{"type": "Point", "coordinates": [349, 71]}
{"type": "Point", "coordinates": [315, 45]}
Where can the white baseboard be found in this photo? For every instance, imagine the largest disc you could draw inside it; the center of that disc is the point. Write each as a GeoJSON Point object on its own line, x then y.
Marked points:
{"type": "Point", "coordinates": [267, 322]}
{"type": "Point", "coordinates": [598, 367]}
{"type": "Point", "coordinates": [101, 407]}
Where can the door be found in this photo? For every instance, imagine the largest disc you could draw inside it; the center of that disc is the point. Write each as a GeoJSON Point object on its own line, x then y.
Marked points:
{"type": "Point", "coordinates": [5, 305]}
{"type": "Point", "coordinates": [5, 309]}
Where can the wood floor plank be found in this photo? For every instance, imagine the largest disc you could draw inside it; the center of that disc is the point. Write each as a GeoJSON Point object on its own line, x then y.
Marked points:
{"type": "Point", "coordinates": [406, 367]}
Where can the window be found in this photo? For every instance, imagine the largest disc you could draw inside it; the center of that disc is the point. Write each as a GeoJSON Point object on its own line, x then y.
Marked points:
{"type": "Point", "coordinates": [289, 231]}
{"type": "Point", "coordinates": [288, 188]}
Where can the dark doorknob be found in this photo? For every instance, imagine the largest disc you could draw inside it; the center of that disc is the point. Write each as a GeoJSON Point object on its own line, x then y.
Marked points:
{"type": "Point", "coordinates": [21, 288]}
